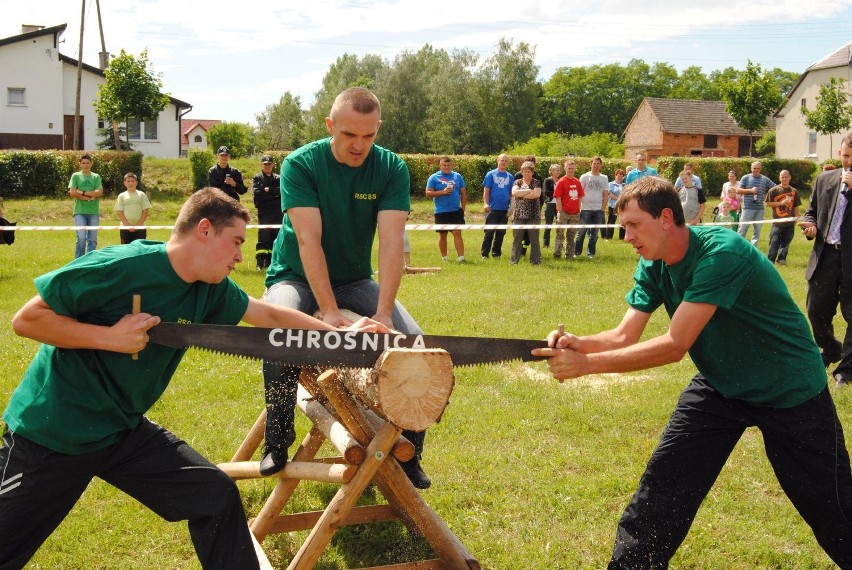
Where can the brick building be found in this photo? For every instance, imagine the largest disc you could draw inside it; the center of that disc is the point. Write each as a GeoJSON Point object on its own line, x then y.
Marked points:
{"type": "Point", "coordinates": [683, 127]}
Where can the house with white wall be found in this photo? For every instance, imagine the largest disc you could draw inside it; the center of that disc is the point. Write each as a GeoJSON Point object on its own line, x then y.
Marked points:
{"type": "Point", "coordinates": [39, 89]}
{"type": "Point", "coordinates": [195, 132]}
{"type": "Point", "coordinates": [793, 139]}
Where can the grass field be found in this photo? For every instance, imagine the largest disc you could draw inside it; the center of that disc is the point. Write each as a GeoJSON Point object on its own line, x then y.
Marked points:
{"type": "Point", "coordinates": [527, 472]}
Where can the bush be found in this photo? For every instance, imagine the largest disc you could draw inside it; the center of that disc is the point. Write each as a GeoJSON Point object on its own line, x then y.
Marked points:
{"type": "Point", "coordinates": [200, 162]}
{"type": "Point", "coordinates": [46, 173]}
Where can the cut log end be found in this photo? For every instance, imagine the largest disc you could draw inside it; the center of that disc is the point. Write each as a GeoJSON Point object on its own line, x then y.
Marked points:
{"type": "Point", "coordinates": [410, 388]}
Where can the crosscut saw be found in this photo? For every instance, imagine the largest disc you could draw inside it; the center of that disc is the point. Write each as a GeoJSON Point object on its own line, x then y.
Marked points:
{"type": "Point", "coordinates": [335, 348]}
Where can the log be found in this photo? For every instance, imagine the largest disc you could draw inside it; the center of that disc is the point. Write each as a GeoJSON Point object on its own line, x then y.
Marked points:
{"type": "Point", "coordinates": [410, 388]}
{"type": "Point", "coordinates": [252, 440]}
{"type": "Point", "coordinates": [333, 430]}
{"type": "Point", "coordinates": [415, 270]}
{"type": "Point", "coordinates": [403, 450]}
{"type": "Point", "coordinates": [326, 473]}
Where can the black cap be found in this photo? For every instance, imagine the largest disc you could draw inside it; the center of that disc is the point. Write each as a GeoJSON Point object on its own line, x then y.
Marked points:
{"type": "Point", "coordinates": [223, 150]}
{"type": "Point", "coordinates": [266, 159]}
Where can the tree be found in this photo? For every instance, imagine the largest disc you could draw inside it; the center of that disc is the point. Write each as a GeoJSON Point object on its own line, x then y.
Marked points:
{"type": "Point", "coordinates": [750, 98]}
{"type": "Point", "coordinates": [236, 136]}
{"type": "Point", "coordinates": [832, 113]}
{"type": "Point", "coordinates": [131, 91]}
{"type": "Point", "coordinates": [281, 126]}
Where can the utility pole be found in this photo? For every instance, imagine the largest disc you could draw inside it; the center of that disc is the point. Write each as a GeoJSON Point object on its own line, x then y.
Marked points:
{"type": "Point", "coordinates": [79, 80]}
{"type": "Point", "coordinates": [104, 55]}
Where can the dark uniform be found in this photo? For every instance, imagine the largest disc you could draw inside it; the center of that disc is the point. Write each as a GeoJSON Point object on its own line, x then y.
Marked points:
{"type": "Point", "coordinates": [267, 200]}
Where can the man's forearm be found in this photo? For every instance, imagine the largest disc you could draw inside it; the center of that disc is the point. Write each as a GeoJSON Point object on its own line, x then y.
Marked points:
{"type": "Point", "coordinates": [316, 271]}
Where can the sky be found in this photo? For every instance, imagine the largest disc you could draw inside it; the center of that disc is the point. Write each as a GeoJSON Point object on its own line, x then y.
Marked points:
{"type": "Point", "coordinates": [230, 60]}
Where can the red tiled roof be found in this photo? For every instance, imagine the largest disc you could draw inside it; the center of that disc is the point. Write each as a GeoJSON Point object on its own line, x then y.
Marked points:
{"type": "Point", "coordinates": [187, 125]}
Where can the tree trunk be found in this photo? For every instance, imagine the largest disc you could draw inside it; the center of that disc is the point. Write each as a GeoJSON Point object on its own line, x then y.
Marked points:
{"type": "Point", "coordinates": [116, 139]}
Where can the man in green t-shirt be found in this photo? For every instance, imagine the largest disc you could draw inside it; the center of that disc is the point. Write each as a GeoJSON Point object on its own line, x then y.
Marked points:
{"type": "Point", "coordinates": [335, 193]}
{"type": "Point", "coordinates": [86, 189]}
{"type": "Point", "coordinates": [79, 411]}
{"type": "Point", "coordinates": [758, 366]}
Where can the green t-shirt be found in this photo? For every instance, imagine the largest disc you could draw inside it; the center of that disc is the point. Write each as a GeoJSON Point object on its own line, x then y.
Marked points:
{"type": "Point", "coordinates": [758, 346]}
{"type": "Point", "coordinates": [76, 401]}
{"type": "Point", "coordinates": [349, 200]}
{"type": "Point", "coordinates": [85, 183]}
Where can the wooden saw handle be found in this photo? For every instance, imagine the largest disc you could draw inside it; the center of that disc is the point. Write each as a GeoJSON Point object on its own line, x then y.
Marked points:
{"type": "Point", "coordinates": [137, 308]}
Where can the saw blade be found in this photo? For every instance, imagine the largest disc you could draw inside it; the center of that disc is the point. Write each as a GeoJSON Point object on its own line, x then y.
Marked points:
{"type": "Point", "coordinates": [335, 348]}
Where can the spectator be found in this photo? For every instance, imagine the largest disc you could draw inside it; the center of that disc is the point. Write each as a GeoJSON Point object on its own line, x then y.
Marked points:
{"type": "Point", "coordinates": [336, 193]}
{"type": "Point", "coordinates": [225, 177]}
{"type": "Point", "coordinates": [595, 198]}
{"type": "Point", "coordinates": [549, 201]}
{"type": "Point", "coordinates": [86, 189]}
{"type": "Point", "coordinates": [536, 176]}
{"type": "Point", "coordinates": [569, 195]}
{"type": "Point", "coordinates": [612, 214]}
{"type": "Point", "coordinates": [784, 201]}
{"type": "Point", "coordinates": [752, 189]}
{"type": "Point", "coordinates": [695, 179]}
{"type": "Point", "coordinates": [828, 272]}
{"type": "Point", "coordinates": [496, 196]}
{"type": "Point", "coordinates": [132, 207]}
{"type": "Point", "coordinates": [449, 192]}
{"type": "Point", "coordinates": [757, 366]}
{"type": "Point", "coordinates": [725, 216]}
{"type": "Point", "coordinates": [691, 198]}
{"type": "Point", "coordinates": [527, 194]}
{"type": "Point", "coordinates": [729, 193]}
{"type": "Point", "coordinates": [266, 190]}
{"type": "Point", "coordinates": [641, 169]}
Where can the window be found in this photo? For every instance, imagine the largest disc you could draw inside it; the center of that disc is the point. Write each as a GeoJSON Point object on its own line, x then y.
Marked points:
{"type": "Point", "coordinates": [16, 96]}
{"type": "Point", "coordinates": [138, 130]}
{"type": "Point", "coordinates": [812, 141]}
{"type": "Point", "coordinates": [198, 138]}
{"type": "Point", "coordinates": [711, 141]}
{"type": "Point", "coordinates": [804, 103]}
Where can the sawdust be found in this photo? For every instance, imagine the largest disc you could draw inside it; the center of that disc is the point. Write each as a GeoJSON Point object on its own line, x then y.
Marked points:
{"type": "Point", "coordinates": [592, 381]}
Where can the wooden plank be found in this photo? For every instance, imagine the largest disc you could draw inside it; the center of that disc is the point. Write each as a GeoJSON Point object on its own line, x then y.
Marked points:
{"type": "Point", "coordinates": [252, 440]}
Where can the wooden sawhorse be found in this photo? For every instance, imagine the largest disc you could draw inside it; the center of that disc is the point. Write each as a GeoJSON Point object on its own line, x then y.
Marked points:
{"type": "Point", "coordinates": [349, 408]}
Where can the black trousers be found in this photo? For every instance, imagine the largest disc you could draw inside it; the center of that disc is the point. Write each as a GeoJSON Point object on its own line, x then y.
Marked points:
{"type": "Point", "coordinates": [549, 216]}
{"type": "Point", "coordinates": [805, 447]}
{"type": "Point", "coordinates": [827, 288]}
{"type": "Point", "coordinates": [493, 240]}
{"type": "Point", "coordinates": [38, 487]}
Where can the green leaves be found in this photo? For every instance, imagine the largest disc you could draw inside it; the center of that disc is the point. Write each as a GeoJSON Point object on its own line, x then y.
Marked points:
{"type": "Point", "coordinates": [751, 97]}
{"type": "Point", "coordinates": [832, 113]}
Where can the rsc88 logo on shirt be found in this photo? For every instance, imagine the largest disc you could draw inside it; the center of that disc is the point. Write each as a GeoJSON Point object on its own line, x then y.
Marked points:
{"type": "Point", "coordinates": [364, 196]}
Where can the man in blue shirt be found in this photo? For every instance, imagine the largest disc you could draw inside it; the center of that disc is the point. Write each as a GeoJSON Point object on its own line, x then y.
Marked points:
{"type": "Point", "coordinates": [641, 169]}
{"type": "Point", "coordinates": [753, 188]}
{"type": "Point", "coordinates": [496, 195]}
{"type": "Point", "coordinates": [449, 192]}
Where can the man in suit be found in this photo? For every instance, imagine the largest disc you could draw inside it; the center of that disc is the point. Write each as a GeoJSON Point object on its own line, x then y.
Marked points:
{"type": "Point", "coordinates": [829, 271]}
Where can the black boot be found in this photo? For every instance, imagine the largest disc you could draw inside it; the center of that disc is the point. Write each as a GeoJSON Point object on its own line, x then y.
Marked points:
{"type": "Point", "coordinates": [415, 473]}
{"type": "Point", "coordinates": [273, 461]}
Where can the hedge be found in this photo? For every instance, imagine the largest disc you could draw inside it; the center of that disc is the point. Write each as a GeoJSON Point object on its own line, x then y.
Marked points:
{"type": "Point", "coordinates": [714, 171]}
{"type": "Point", "coordinates": [47, 172]}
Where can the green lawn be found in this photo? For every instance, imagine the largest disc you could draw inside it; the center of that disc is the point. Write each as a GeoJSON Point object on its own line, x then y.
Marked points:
{"type": "Point", "coordinates": [527, 472]}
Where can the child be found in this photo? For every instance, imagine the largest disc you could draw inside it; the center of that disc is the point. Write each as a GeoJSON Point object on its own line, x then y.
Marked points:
{"type": "Point", "coordinates": [725, 214]}
{"type": "Point", "coordinates": [86, 189]}
{"type": "Point", "coordinates": [132, 207]}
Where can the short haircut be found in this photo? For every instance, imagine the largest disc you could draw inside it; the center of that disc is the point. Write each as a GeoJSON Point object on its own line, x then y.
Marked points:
{"type": "Point", "coordinates": [444, 159]}
{"type": "Point", "coordinates": [553, 167]}
{"type": "Point", "coordinates": [131, 175]}
{"type": "Point", "coordinates": [619, 171]}
{"type": "Point", "coordinates": [214, 205]}
{"type": "Point", "coordinates": [689, 164]}
{"type": "Point", "coordinates": [599, 159]}
{"type": "Point", "coordinates": [642, 153]}
{"type": "Point", "coordinates": [569, 161]}
{"type": "Point", "coordinates": [528, 164]}
{"type": "Point", "coordinates": [86, 156]}
{"type": "Point", "coordinates": [653, 195]}
{"type": "Point", "coordinates": [360, 99]}
{"type": "Point", "coordinates": [529, 158]}
{"type": "Point", "coordinates": [847, 140]}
